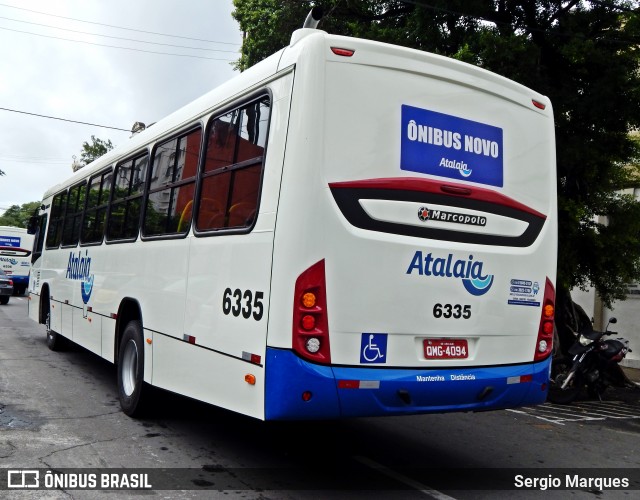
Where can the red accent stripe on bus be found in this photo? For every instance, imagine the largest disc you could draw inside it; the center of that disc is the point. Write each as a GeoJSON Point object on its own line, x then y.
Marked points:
{"type": "Point", "coordinates": [15, 249]}
{"type": "Point", "coordinates": [348, 384]}
{"type": "Point", "coordinates": [438, 187]}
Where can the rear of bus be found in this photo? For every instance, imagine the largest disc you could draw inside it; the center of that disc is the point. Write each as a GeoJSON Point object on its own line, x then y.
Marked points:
{"type": "Point", "coordinates": [15, 250]}
{"type": "Point", "coordinates": [415, 243]}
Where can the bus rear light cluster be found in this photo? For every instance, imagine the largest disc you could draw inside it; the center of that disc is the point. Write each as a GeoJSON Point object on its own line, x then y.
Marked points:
{"type": "Point", "coordinates": [544, 342]}
{"type": "Point", "coordinates": [310, 323]}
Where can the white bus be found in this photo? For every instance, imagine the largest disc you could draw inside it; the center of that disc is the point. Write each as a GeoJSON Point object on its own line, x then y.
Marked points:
{"type": "Point", "coordinates": [346, 229]}
{"type": "Point", "coordinates": [15, 256]}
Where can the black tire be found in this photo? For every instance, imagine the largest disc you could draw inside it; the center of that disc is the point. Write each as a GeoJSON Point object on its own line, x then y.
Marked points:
{"type": "Point", "coordinates": [4, 300]}
{"type": "Point", "coordinates": [133, 393]}
{"type": "Point", "coordinates": [560, 369]}
{"type": "Point", "coordinates": [55, 341]}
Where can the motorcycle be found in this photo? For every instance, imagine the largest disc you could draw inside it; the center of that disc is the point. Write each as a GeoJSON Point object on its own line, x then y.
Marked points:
{"type": "Point", "coordinates": [593, 363]}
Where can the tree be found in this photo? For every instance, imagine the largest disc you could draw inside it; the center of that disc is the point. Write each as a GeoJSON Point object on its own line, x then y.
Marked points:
{"type": "Point", "coordinates": [95, 150]}
{"type": "Point", "coordinates": [18, 216]}
{"type": "Point", "coordinates": [584, 55]}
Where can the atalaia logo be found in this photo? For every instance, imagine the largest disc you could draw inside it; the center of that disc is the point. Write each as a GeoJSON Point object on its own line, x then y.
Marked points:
{"type": "Point", "coordinates": [79, 269]}
{"type": "Point", "coordinates": [469, 271]}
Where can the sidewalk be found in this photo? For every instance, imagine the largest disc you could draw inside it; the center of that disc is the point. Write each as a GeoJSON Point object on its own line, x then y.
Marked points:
{"type": "Point", "coordinates": [632, 374]}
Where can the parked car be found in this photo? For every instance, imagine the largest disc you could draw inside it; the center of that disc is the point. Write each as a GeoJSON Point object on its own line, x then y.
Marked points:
{"type": "Point", "coordinates": [6, 287]}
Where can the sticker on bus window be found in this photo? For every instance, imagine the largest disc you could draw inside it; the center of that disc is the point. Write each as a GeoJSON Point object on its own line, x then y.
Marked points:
{"type": "Point", "coordinates": [448, 146]}
{"type": "Point", "coordinates": [10, 241]}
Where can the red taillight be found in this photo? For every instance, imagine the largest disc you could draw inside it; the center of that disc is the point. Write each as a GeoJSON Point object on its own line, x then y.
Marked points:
{"type": "Point", "coordinates": [342, 52]}
{"type": "Point", "coordinates": [11, 282]}
{"type": "Point", "coordinates": [544, 342]}
{"type": "Point", "coordinates": [538, 104]}
{"type": "Point", "coordinates": [310, 323]}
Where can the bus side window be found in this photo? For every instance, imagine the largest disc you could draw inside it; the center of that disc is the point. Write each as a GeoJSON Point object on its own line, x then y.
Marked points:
{"type": "Point", "coordinates": [232, 170]}
{"type": "Point", "coordinates": [168, 208]}
{"type": "Point", "coordinates": [75, 207]}
{"type": "Point", "coordinates": [128, 186]}
{"type": "Point", "coordinates": [38, 242]}
{"type": "Point", "coordinates": [58, 206]}
{"type": "Point", "coordinates": [96, 212]}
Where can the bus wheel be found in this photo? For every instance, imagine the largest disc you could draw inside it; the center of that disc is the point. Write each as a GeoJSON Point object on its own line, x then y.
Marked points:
{"type": "Point", "coordinates": [132, 391]}
{"type": "Point", "coordinates": [55, 341]}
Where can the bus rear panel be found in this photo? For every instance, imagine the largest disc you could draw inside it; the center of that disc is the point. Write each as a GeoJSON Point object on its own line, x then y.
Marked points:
{"type": "Point", "coordinates": [15, 251]}
{"type": "Point", "coordinates": [415, 243]}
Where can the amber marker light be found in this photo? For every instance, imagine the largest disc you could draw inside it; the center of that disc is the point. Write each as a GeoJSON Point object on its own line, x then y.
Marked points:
{"type": "Point", "coordinates": [309, 300]}
{"type": "Point", "coordinates": [250, 379]}
{"type": "Point", "coordinates": [549, 310]}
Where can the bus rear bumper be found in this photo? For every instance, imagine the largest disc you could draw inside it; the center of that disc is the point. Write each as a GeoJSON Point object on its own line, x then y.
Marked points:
{"type": "Point", "coordinates": [297, 389]}
{"type": "Point", "coordinates": [19, 280]}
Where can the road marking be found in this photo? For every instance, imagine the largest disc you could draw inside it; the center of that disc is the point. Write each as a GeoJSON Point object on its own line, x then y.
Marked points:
{"type": "Point", "coordinates": [403, 479]}
{"type": "Point", "coordinates": [585, 411]}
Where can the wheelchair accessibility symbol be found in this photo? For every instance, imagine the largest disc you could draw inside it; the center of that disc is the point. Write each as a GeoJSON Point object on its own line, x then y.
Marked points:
{"type": "Point", "coordinates": [373, 348]}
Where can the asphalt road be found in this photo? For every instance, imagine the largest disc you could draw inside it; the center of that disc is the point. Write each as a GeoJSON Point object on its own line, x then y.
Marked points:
{"type": "Point", "coordinates": [59, 412]}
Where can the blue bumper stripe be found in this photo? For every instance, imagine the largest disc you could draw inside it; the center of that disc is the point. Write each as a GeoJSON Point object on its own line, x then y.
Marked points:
{"type": "Point", "coordinates": [339, 392]}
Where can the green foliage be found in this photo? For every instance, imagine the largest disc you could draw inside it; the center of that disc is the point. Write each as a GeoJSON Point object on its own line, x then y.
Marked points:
{"type": "Point", "coordinates": [96, 149]}
{"type": "Point", "coordinates": [18, 216]}
{"type": "Point", "coordinates": [583, 55]}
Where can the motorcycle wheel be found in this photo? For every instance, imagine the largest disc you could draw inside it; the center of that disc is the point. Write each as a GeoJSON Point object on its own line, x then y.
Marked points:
{"type": "Point", "coordinates": [560, 369]}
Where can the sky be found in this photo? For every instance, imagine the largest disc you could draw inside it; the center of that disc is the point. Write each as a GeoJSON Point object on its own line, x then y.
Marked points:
{"type": "Point", "coordinates": [59, 59]}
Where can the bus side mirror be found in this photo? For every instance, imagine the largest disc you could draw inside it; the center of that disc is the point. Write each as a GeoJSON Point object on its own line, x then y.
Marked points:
{"type": "Point", "coordinates": [32, 225]}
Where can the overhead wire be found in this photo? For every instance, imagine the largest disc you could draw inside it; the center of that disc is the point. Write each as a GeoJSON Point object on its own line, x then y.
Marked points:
{"type": "Point", "coordinates": [119, 27]}
{"type": "Point", "coordinates": [26, 159]}
{"type": "Point", "coordinates": [115, 46]}
{"type": "Point", "coordinates": [105, 45]}
{"type": "Point", "coordinates": [63, 119]}
{"type": "Point", "coordinates": [117, 37]}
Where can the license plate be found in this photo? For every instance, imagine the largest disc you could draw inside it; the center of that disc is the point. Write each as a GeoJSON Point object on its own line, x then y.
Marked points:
{"type": "Point", "coordinates": [446, 349]}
